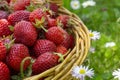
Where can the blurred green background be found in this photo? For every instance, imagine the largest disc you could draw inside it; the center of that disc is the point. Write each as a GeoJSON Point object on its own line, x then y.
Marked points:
{"type": "Point", "coordinates": [102, 18]}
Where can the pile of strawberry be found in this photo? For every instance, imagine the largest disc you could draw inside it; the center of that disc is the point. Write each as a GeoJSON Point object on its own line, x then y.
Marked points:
{"type": "Point", "coordinates": [29, 31]}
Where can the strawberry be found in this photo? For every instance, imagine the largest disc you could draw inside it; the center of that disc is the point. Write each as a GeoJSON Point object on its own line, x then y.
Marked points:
{"type": "Point", "coordinates": [37, 14]}
{"type": "Point", "coordinates": [8, 1]}
{"type": "Point", "coordinates": [4, 72]}
{"type": "Point", "coordinates": [3, 51]}
{"type": "Point", "coordinates": [17, 16]}
{"type": "Point", "coordinates": [17, 53]}
{"type": "Point", "coordinates": [8, 41]}
{"type": "Point", "coordinates": [72, 41]}
{"type": "Point", "coordinates": [52, 22]}
{"type": "Point", "coordinates": [25, 32]}
{"type": "Point", "coordinates": [53, 7]}
{"type": "Point", "coordinates": [55, 34]}
{"type": "Point", "coordinates": [4, 28]}
{"type": "Point", "coordinates": [68, 41]}
{"type": "Point", "coordinates": [61, 49]}
{"type": "Point", "coordinates": [44, 62]}
{"type": "Point", "coordinates": [3, 14]}
{"type": "Point", "coordinates": [19, 4]}
{"type": "Point", "coordinates": [63, 19]}
{"type": "Point", "coordinates": [42, 46]}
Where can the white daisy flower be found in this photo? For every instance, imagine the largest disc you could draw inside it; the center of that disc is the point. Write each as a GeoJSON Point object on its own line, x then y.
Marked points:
{"type": "Point", "coordinates": [92, 50]}
{"type": "Point", "coordinates": [75, 4]}
{"type": "Point", "coordinates": [80, 72]}
{"type": "Point", "coordinates": [110, 44]}
{"type": "Point", "coordinates": [116, 74]}
{"type": "Point", "coordinates": [95, 35]}
{"type": "Point", "coordinates": [88, 3]}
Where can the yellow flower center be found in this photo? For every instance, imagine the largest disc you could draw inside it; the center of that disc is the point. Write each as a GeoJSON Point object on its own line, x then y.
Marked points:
{"type": "Point", "coordinates": [75, 4]}
{"type": "Point", "coordinates": [91, 34]}
{"type": "Point", "coordinates": [82, 71]}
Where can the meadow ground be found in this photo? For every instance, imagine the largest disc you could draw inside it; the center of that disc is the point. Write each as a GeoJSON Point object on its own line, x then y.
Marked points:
{"type": "Point", "coordinates": [104, 18]}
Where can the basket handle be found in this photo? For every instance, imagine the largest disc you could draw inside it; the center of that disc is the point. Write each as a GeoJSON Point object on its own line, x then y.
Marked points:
{"type": "Point", "coordinates": [58, 2]}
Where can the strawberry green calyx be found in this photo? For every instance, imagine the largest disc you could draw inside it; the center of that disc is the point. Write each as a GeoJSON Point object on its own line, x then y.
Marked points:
{"type": "Point", "coordinates": [9, 44]}
{"type": "Point", "coordinates": [31, 7]}
{"type": "Point", "coordinates": [5, 6]}
{"type": "Point", "coordinates": [69, 23]}
{"type": "Point", "coordinates": [64, 20]}
{"type": "Point", "coordinates": [59, 23]}
{"type": "Point", "coordinates": [61, 57]}
{"type": "Point", "coordinates": [29, 68]}
{"type": "Point", "coordinates": [8, 41]}
{"type": "Point", "coordinates": [11, 28]}
{"type": "Point", "coordinates": [39, 24]}
{"type": "Point", "coordinates": [34, 4]}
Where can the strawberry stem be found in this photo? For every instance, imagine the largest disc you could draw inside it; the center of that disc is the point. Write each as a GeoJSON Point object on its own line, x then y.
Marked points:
{"type": "Point", "coordinates": [39, 24]}
{"type": "Point", "coordinates": [44, 28]}
{"type": "Point", "coordinates": [22, 66]}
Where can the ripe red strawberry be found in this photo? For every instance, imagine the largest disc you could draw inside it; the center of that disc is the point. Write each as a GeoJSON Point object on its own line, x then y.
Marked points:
{"type": "Point", "coordinates": [61, 49]}
{"type": "Point", "coordinates": [63, 19]}
{"type": "Point", "coordinates": [17, 53]}
{"type": "Point", "coordinates": [72, 41]}
{"type": "Point", "coordinates": [37, 14]}
{"type": "Point", "coordinates": [68, 41]}
{"type": "Point", "coordinates": [53, 7]}
{"type": "Point", "coordinates": [8, 1]}
{"type": "Point", "coordinates": [3, 51]}
{"type": "Point", "coordinates": [4, 72]}
{"type": "Point", "coordinates": [4, 28]}
{"type": "Point", "coordinates": [44, 62]}
{"type": "Point", "coordinates": [3, 14]}
{"type": "Point", "coordinates": [25, 32]}
{"type": "Point", "coordinates": [19, 4]}
{"type": "Point", "coordinates": [17, 16]}
{"type": "Point", "coordinates": [52, 22]}
{"type": "Point", "coordinates": [55, 34]}
{"type": "Point", "coordinates": [42, 46]}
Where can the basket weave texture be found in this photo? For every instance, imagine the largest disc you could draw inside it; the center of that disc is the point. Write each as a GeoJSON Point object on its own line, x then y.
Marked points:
{"type": "Point", "coordinates": [76, 56]}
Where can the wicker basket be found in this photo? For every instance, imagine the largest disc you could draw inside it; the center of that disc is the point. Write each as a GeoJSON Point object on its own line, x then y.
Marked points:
{"type": "Point", "coordinates": [76, 56]}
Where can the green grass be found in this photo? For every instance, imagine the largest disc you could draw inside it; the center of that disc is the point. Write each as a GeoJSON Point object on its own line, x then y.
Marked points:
{"type": "Point", "coordinates": [103, 18]}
